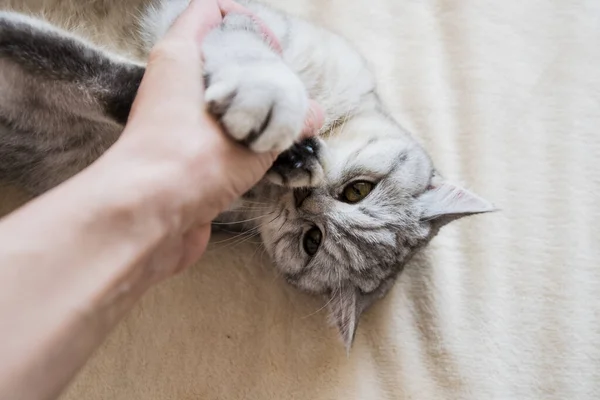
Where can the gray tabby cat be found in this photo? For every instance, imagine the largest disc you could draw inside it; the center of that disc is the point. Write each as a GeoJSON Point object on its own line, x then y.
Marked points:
{"type": "Point", "coordinates": [340, 215]}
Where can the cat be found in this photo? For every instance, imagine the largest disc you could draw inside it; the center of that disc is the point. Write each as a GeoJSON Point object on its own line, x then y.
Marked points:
{"type": "Point", "coordinates": [340, 215]}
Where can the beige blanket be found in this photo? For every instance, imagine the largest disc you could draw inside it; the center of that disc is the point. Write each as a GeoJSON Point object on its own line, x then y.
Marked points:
{"type": "Point", "coordinates": [506, 96]}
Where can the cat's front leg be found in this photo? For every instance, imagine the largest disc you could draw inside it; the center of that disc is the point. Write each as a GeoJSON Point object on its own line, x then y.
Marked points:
{"type": "Point", "coordinates": [257, 98]}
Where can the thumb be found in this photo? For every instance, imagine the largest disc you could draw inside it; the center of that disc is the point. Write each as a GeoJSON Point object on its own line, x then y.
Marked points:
{"type": "Point", "coordinates": [195, 242]}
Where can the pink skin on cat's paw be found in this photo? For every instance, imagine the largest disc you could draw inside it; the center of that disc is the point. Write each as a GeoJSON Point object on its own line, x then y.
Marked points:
{"type": "Point", "coordinates": [229, 6]}
{"type": "Point", "coordinates": [315, 119]}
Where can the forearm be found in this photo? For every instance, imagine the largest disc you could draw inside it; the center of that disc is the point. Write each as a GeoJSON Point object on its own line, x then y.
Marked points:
{"type": "Point", "coordinates": [69, 270]}
{"type": "Point", "coordinates": [75, 260]}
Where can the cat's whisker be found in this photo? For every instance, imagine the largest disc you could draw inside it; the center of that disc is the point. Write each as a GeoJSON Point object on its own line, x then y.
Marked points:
{"type": "Point", "coordinates": [263, 224]}
{"type": "Point", "coordinates": [322, 308]}
{"type": "Point", "coordinates": [333, 294]}
{"type": "Point", "coordinates": [241, 222]}
{"type": "Point", "coordinates": [234, 237]}
{"type": "Point", "coordinates": [280, 226]}
{"type": "Point", "coordinates": [238, 239]}
{"type": "Point", "coordinates": [276, 217]}
{"type": "Point", "coordinates": [263, 251]}
{"type": "Point", "coordinates": [345, 120]}
{"type": "Point", "coordinates": [256, 252]}
{"type": "Point", "coordinates": [273, 220]}
{"type": "Point", "coordinates": [244, 240]}
{"type": "Point", "coordinates": [244, 236]}
{"type": "Point", "coordinates": [341, 122]}
{"type": "Point", "coordinates": [247, 208]}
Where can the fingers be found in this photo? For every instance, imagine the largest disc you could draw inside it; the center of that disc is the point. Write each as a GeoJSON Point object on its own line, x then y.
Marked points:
{"type": "Point", "coordinates": [196, 21]}
{"type": "Point", "coordinates": [170, 98]}
{"type": "Point", "coordinates": [174, 70]}
{"type": "Point", "coordinates": [249, 167]}
{"type": "Point", "coordinates": [195, 242]}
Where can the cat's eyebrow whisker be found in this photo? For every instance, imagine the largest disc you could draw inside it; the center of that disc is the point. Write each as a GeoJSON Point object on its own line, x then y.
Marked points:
{"type": "Point", "coordinates": [344, 120]}
{"type": "Point", "coordinates": [276, 217]}
{"type": "Point", "coordinates": [280, 228]}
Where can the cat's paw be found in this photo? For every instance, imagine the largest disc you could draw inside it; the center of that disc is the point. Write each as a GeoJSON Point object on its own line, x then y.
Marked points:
{"type": "Point", "coordinates": [260, 104]}
{"type": "Point", "coordinates": [299, 166]}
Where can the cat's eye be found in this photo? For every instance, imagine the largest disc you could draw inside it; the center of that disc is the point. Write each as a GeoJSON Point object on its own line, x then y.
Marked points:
{"type": "Point", "coordinates": [312, 241]}
{"type": "Point", "coordinates": [356, 191]}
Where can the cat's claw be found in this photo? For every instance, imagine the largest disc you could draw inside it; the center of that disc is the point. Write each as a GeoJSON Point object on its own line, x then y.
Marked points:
{"type": "Point", "coordinates": [299, 166]}
{"type": "Point", "coordinates": [260, 104]}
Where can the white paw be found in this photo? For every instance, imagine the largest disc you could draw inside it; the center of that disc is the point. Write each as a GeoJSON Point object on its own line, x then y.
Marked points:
{"type": "Point", "coordinates": [261, 104]}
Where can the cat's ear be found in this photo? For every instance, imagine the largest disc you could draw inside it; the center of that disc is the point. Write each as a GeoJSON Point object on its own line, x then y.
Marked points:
{"type": "Point", "coordinates": [344, 312]}
{"type": "Point", "coordinates": [347, 304]}
{"type": "Point", "coordinates": [444, 202]}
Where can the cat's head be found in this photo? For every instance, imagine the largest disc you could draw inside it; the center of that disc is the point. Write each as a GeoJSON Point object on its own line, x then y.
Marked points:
{"type": "Point", "coordinates": [381, 201]}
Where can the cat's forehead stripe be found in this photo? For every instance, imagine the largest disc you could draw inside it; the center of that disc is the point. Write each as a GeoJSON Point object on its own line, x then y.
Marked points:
{"type": "Point", "coordinates": [375, 140]}
{"type": "Point", "coordinates": [382, 169]}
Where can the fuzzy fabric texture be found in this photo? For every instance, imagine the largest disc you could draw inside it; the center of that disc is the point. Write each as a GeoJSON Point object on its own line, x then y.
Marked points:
{"type": "Point", "coordinates": [506, 97]}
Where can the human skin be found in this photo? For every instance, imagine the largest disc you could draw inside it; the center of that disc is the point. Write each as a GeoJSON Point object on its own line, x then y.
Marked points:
{"type": "Point", "coordinates": [75, 260]}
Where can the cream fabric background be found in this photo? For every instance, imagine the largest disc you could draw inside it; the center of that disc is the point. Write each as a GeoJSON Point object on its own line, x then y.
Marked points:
{"type": "Point", "coordinates": [506, 96]}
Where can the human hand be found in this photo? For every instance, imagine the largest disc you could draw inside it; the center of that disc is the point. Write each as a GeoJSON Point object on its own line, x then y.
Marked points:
{"type": "Point", "coordinates": [177, 151]}
{"type": "Point", "coordinates": [76, 258]}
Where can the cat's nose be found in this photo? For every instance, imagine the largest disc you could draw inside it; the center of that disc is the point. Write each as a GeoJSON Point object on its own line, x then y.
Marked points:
{"type": "Point", "coordinates": [300, 195]}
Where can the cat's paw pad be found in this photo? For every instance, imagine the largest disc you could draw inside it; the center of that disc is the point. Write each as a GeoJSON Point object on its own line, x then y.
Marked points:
{"type": "Point", "coordinates": [299, 166]}
{"type": "Point", "coordinates": [260, 104]}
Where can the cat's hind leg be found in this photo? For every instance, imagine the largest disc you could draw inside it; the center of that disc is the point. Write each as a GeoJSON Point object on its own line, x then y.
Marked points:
{"type": "Point", "coordinates": [63, 102]}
